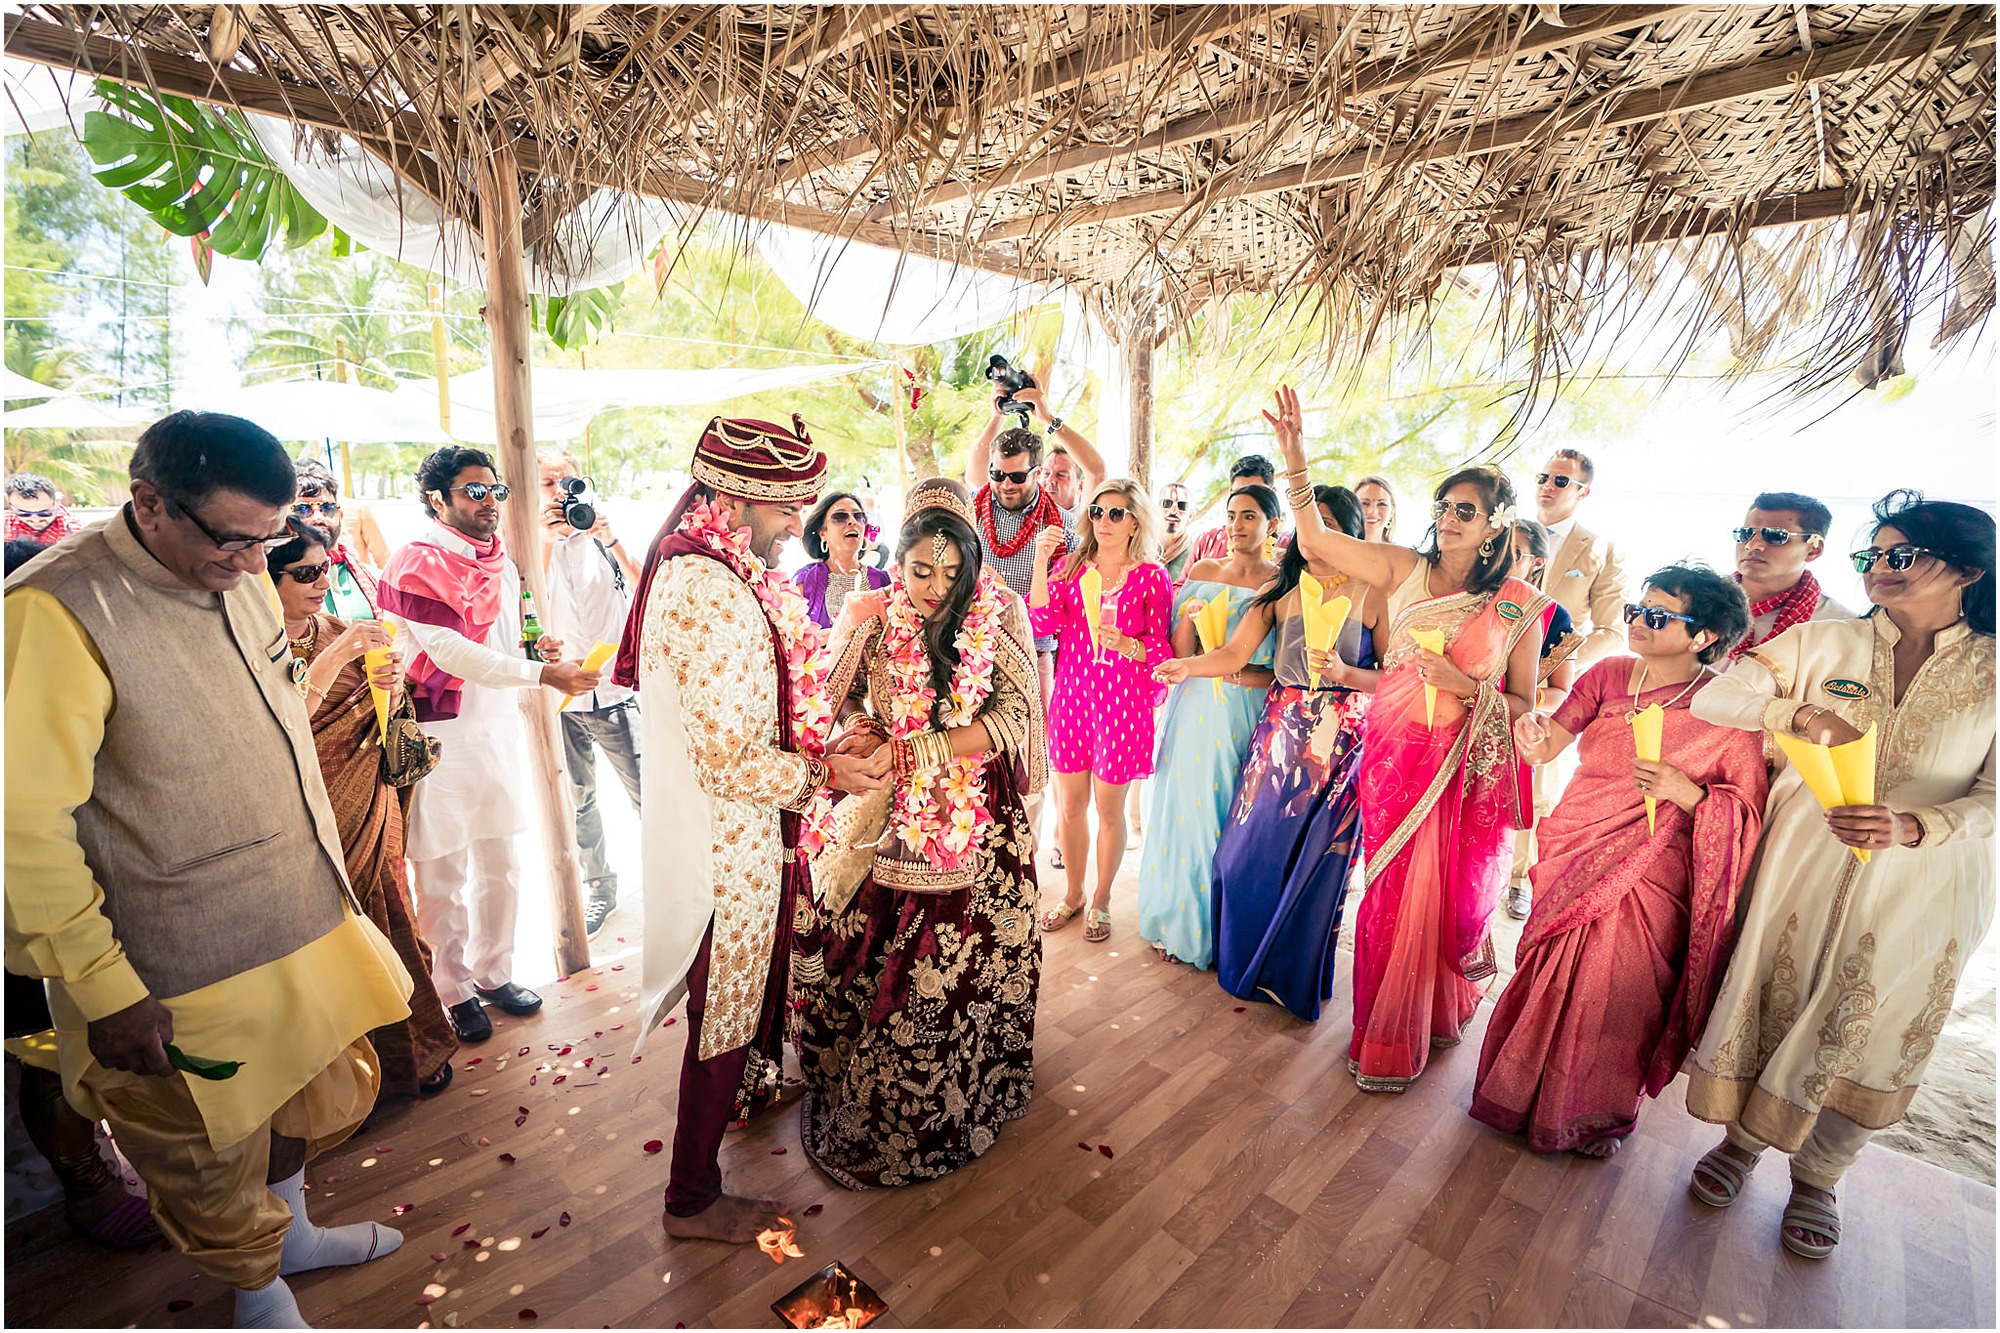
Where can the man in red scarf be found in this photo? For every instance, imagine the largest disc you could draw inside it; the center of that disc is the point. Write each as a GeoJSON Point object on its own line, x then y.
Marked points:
{"type": "Point", "coordinates": [34, 513]}
{"type": "Point", "coordinates": [721, 649]}
{"type": "Point", "coordinates": [457, 595]}
{"type": "Point", "coordinates": [1782, 534]}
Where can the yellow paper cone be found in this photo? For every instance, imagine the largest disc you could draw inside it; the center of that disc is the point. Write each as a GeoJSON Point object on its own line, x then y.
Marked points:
{"type": "Point", "coordinates": [1843, 775]}
{"type": "Point", "coordinates": [1432, 639]}
{"type": "Point", "coordinates": [1091, 588]}
{"type": "Point", "coordinates": [1322, 619]}
{"type": "Point", "coordinates": [373, 660]}
{"type": "Point", "coordinates": [1646, 729]}
{"type": "Point", "coordinates": [1211, 628]}
{"type": "Point", "coordinates": [593, 660]}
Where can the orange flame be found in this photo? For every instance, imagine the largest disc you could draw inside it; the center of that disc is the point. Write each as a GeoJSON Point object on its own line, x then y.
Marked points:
{"type": "Point", "coordinates": [780, 1242]}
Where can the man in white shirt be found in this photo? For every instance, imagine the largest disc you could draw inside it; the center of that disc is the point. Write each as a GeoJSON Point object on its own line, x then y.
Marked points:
{"type": "Point", "coordinates": [457, 595]}
{"type": "Point", "coordinates": [590, 576]}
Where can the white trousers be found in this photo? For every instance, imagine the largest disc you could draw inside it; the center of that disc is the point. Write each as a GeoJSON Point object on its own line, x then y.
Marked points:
{"type": "Point", "coordinates": [466, 905]}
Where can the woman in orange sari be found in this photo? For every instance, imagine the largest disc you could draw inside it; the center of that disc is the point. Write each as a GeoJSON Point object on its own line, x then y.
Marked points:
{"type": "Point", "coordinates": [1633, 914]}
{"type": "Point", "coordinates": [415, 1054]}
{"type": "Point", "coordinates": [1442, 789]}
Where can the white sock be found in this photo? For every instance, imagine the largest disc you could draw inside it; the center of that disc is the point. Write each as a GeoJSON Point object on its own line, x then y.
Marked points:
{"type": "Point", "coordinates": [272, 1307]}
{"type": "Point", "coordinates": [308, 1247]}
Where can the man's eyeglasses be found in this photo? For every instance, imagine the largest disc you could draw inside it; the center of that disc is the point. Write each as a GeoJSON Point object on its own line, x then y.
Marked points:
{"type": "Point", "coordinates": [1556, 479]}
{"type": "Point", "coordinates": [1181, 505]}
{"type": "Point", "coordinates": [32, 513]}
{"type": "Point", "coordinates": [1017, 478]}
{"type": "Point", "coordinates": [1898, 557]}
{"type": "Point", "coordinates": [222, 543]}
{"type": "Point", "coordinates": [1116, 513]}
{"type": "Point", "coordinates": [1465, 509]}
{"type": "Point", "coordinates": [479, 490]}
{"type": "Point", "coordinates": [1771, 536]}
{"type": "Point", "coordinates": [305, 573]}
{"type": "Point", "coordinates": [1657, 617]}
{"type": "Point", "coordinates": [325, 508]}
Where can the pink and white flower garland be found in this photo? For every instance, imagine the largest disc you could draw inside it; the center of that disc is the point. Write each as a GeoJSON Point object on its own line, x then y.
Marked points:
{"type": "Point", "coordinates": [938, 814]}
{"type": "Point", "coordinates": [805, 645]}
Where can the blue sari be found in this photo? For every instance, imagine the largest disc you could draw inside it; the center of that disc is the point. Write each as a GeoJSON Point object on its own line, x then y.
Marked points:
{"type": "Point", "coordinates": [1294, 829]}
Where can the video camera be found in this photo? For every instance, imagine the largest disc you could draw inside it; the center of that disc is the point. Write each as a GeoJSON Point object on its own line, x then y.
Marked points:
{"type": "Point", "coordinates": [575, 496]}
{"type": "Point", "coordinates": [1010, 380]}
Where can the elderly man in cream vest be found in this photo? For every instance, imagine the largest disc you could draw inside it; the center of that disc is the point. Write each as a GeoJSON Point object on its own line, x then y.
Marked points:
{"type": "Point", "coordinates": [173, 869]}
{"type": "Point", "coordinates": [1586, 576]}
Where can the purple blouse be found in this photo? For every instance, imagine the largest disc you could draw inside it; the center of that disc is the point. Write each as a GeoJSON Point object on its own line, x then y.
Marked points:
{"type": "Point", "coordinates": [813, 580]}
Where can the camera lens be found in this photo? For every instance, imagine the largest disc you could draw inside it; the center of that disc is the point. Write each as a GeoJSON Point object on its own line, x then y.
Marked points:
{"type": "Point", "coordinates": [579, 515]}
{"type": "Point", "coordinates": [571, 485]}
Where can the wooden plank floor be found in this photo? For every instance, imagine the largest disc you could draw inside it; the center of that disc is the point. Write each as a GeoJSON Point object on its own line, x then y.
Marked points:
{"type": "Point", "coordinates": [1249, 1183]}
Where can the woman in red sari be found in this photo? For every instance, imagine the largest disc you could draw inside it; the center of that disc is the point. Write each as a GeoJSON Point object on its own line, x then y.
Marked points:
{"type": "Point", "coordinates": [1441, 787]}
{"type": "Point", "coordinates": [1632, 925]}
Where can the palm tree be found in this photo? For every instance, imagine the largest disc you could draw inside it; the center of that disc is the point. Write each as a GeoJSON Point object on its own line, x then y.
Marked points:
{"type": "Point", "coordinates": [361, 316]}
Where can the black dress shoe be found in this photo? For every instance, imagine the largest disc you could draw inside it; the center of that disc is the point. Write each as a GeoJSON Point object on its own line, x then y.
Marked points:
{"type": "Point", "coordinates": [441, 1080]}
{"type": "Point", "coordinates": [469, 1020]}
{"type": "Point", "coordinates": [509, 998]}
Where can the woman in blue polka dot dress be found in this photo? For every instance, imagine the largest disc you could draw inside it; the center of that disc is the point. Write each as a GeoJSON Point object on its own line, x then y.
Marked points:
{"type": "Point", "coordinates": [1101, 714]}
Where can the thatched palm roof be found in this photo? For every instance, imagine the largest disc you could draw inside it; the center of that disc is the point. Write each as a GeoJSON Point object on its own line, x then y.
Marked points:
{"type": "Point", "coordinates": [1162, 154]}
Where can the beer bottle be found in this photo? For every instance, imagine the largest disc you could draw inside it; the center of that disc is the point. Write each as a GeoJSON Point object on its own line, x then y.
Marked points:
{"type": "Point", "coordinates": [531, 628]}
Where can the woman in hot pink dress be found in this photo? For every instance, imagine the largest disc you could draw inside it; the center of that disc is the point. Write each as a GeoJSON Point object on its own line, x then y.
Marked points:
{"type": "Point", "coordinates": [1101, 714]}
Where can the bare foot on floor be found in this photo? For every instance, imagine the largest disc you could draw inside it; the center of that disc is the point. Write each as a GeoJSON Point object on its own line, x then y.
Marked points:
{"type": "Point", "coordinates": [1598, 1148]}
{"type": "Point", "coordinates": [736, 1221]}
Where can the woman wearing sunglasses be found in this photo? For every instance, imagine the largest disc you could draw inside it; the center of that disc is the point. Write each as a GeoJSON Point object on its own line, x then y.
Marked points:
{"type": "Point", "coordinates": [836, 532]}
{"type": "Point", "coordinates": [1280, 869]}
{"type": "Point", "coordinates": [1844, 972]}
{"type": "Point", "coordinates": [1634, 910]}
{"type": "Point", "coordinates": [1101, 714]}
{"type": "Point", "coordinates": [370, 812]}
{"type": "Point", "coordinates": [1441, 787]}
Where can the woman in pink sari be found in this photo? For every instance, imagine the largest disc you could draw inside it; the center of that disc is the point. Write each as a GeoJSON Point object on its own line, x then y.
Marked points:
{"type": "Point", "coordinates": [1442, 789]}
{"type": "Point", "coordinates": [1632, 925]}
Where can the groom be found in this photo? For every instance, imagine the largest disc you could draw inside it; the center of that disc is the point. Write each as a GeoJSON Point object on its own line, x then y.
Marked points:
{"type": "Point", "coordinates": [721, 648]}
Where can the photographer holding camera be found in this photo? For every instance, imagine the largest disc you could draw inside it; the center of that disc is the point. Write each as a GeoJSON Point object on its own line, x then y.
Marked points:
{"type": "Point", "coordinates": [590, 577]}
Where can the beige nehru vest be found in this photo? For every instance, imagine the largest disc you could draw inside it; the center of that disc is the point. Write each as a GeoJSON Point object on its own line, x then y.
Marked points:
{"type": "Point", "coordinates": [208, 826]}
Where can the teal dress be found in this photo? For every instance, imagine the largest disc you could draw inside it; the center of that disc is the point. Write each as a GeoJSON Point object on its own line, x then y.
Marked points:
{"type": "Point", "coordinates": [1200, 755]}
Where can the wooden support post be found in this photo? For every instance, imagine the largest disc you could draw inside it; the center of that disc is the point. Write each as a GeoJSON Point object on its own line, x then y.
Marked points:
{"type": "Point", "coordinates": [340, 377]}
{"type": "Point", "coordinates": [1137, 348]}
{"type": "Point", "coordinates": [507, 327]}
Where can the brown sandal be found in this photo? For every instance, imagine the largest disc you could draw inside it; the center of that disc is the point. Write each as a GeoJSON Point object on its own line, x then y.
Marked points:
{"type": "Point", "coordinates": [1098, 929]}
{"type": "Point", "coordinates": [1058, 916]}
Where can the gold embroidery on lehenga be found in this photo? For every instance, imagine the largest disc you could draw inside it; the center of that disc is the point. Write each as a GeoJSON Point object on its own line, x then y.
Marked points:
{"type": "Point", "coordinates": [1734, 1054]}
{"type": "Point", "coordinates": [1920, 1038]}
{"type": "Point", "coordinates": [1843, 1037]}
{"type": "Point", "coordinates": [1950, 683]}
{"type": "Point", "coordinates": [1780, 1000]}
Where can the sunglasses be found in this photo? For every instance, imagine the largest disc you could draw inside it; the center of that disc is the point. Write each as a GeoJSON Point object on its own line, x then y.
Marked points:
{"type": "Point", "coordinates": [304, 573]}
{"type": "Point", "coordinates": [325, 508]}
{"type": "Point", "coordinates": [1116, 513]}
{"type": "Point", "coordinates": [222, 543]}
{"type": "Point", "coordinates": [479, 490]}
{"type": "Point", "coordinates": [1465, 509]}
{"type": "Point", "coordinates": [1772, 536]}
{"type": "Point", "coordinates": [1657, 617]}
{"type": "Point", "coordinates": [859, 520]}
{"type": "Point", "coordinates": [32, 513]}
{"type": "Point", "coordinates": [1174, 504]}
{"type": "Point", "coordinates": [1017, 478]}
{"type": "Point", "coordinates": [1557, 479]}
{"type": "Point", "coordinates": [1898, 557]}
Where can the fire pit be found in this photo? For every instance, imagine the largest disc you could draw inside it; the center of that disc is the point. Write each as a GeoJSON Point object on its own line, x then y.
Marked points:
{"type": "Point", "coordinates": [830, 1298]}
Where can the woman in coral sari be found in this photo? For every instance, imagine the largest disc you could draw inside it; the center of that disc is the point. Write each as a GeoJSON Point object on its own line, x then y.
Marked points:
{"type": "Point", "coordinates": [1633, 919]}
{"type": "Point", "coordinates": [1441, 787]}
{"type": "Point", "coordinates": [917, 965]}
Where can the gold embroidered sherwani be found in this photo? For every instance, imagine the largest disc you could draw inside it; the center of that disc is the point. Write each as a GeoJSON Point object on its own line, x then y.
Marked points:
{"type": "Point", "coordinates": [714, 781]}
{"type": "Point", "coordinates": [1843, 973]}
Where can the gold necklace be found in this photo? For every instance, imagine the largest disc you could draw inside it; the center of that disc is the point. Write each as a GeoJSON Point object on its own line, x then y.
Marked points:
{"type": "Point", "coordinates": [1640, 679]}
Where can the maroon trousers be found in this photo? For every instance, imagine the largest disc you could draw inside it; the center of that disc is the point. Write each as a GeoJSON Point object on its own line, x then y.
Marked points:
{"type": "Point", "coordinates": [711, 1089]}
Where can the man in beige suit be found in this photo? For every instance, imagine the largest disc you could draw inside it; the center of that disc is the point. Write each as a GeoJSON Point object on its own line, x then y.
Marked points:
{"type": "Point", "coordinates": [1587, 579]}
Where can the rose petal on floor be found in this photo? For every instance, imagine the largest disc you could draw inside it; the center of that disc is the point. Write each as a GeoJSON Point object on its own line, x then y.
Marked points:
{"type": "Point", "coordinates": [461, 1228]}
{"type": "Point", "coordinates": [653, 1145]}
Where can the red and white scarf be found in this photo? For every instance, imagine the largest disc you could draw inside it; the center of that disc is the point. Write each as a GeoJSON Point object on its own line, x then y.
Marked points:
{"type": "Point", "coordinates": [1042, 514]}
{"type": "Point", "coordinates": [431, 585]}
{"type": "Point", "coordinates": [1795, 606]}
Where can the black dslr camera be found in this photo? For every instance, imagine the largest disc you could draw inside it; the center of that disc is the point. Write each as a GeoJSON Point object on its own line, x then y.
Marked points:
{"type": "Point", "coordinates": [1010, 380]}
{"type": "Point", "coordinates": [573, 493]}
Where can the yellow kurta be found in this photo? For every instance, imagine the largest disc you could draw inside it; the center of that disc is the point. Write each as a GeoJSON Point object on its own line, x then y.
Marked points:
{"type": "Point", "coordinates": [714, 781]}
{"type": "Point", "coordinates": [285, 1021]}
{"type": "Point", "coordinates": [1843, 973]}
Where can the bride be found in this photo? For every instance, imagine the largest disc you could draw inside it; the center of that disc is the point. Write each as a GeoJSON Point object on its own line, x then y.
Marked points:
{"type": "Point", "coordinates": [919, 956]}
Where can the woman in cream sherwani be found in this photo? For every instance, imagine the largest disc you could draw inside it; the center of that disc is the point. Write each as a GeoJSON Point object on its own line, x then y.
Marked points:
{"type": "Point", "coordinates": [1843, 973]}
